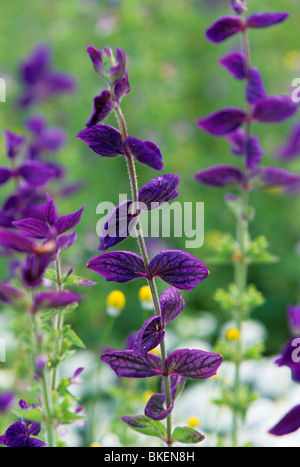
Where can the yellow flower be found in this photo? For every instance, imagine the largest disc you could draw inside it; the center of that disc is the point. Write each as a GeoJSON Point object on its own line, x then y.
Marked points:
{"type": "Point", "coordinates": [145, 297]}
{"type": "Point", "coordinates": [193, 421]}
{"type": "Point", "coordinates": [147, 394]}
{"type": "Point", "coordinates": [233, 334]}
{"type": "Point", "coordinates": [115, 302]}
{"type": "Point", "coordinates": [155, 351]}
{"type": "Point", "coordinates": [96, 445]}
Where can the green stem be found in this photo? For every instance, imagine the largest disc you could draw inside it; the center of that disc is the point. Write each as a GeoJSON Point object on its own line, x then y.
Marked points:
{"type": "Point", "coordinates": [145, 256]}
{"type": "Point", "coordinates": [241, 265]}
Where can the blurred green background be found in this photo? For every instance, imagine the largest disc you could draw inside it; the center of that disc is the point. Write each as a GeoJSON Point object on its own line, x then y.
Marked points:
{"type": "Point", "coordinates": [175, 79]}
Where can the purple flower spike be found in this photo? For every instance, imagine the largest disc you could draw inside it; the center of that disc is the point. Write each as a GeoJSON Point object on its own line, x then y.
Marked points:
{"type": "Point", "coordinates": [180, 269]}
{"type": "Point", "coordinates": [150, 336]}
{"type": "Point", "coordinates": [264, 20]}
{"type": "Point", "coordinates": [288, 424]}
{"type": "Point", "coordinates": [195, 364]}
{"type": "Point", "coordinates": [294, 319]}
{"type": "Point", "coordinates": [235, 63]}
{"type": "Point", "coordinates": [104, 140]}
{"type": "Point", "coordinates": [144, 152]}
{"type": "Point", "coordinates": [255, 87]}
{"type": "Point", "coordinates": [55, 299]}
{"type": "Point", "coordinates": [13, 143]}
{"type": "Point", "coordinates": [118, 226]}
{"type": "Point", "coordinates": [274, 109]}
{"type": "Point", "coordinates": [220, 175]}
{"type": "Point", "coordinates": [126, 364]}
{"type": "Point", "coordinates": [223, 122]}
{"type": "Point", "coordinates": [118, 266]}
{"type": "Point", "coordinates": [103, 105]}
{"type": "Point", "coordinates": [223, 28]}
{"type": "Point", "coordinates": [171, 304]}
{"type": "Point", "coordinates": [159, 190]}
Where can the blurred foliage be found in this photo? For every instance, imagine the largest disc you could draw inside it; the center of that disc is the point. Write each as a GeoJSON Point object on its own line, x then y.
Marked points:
{"type": "Point", "coordinates": [175, 79]}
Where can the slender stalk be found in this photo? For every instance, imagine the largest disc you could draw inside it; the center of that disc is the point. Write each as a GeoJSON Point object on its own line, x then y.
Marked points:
{"type": "Point", "coordinates": [241, 266]}
{"type": "Point", "coordinates": [145, 256]}
{"type": "Point", "coordinates": [59, 323]}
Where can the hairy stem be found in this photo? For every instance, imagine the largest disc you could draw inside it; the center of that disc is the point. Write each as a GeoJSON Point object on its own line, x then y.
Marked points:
{"type": "Point", "coordinates": [145, 256]}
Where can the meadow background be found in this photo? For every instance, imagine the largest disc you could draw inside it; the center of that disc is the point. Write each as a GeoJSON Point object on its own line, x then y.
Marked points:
{"type": "Point", "coordinates": [175, 79]}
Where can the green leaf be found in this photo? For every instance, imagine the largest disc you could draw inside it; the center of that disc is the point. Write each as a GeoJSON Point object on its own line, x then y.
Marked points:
{"type": "Point", "coordinates": [71, 337]}
{"type": "Point", "coordinates": [145, 425]}
{"type": "Point", "coordinates": [51, 275]}
{"type": "Point", "coordinates": [187, 435]}
{"type": "Point", "coordinates": [30, 414]}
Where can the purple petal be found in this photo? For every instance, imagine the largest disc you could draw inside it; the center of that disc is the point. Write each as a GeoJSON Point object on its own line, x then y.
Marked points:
{"type": "Point", "coordinates": [5, 175]}
{"type": "Point", "coordinates": [150, 336]}
{"type": "Point", "coordinates": [16, 241]}
{"type": "Point", "coordinates": [37, 173]}
{"type": "Point", "coordinates": [35, 443]}
{"type": "Point", "coordinates": [13, 143]}
{"type": "Point", "coordinates": [264, 20]}
{"type": "Point", "coordinates": [235, 63]}
{"type": "Point", "coordinates": [96, 58]}
{"type": "Point", "coordinates": [220, 175]}
{"type": "Point", "coordinates": [16, 435]}
{"type": "Point", "coordinates": [267, 177]}
{"type": "Point", "coordinates": [66, 241]}
{"type": "Point", "coordinates": [49, 210]}
{"type": "Point", "coordinates": [125, 364]}
{"type": "Point", "coordinates": [288, 424]}
{"type": "Point", "coordinates": [58, 83]}
{"type": "Point", "coordinates": [159, 190]}
{"type": "Point", "coordinates": [10, 294]}
{"type": "Point", "coordinates": [155, 407]}
{"type": "Point", "coordinates": [238, 140]}
{"type": "Point", "coordinates": [254, 152]}
{"type": "Point", "coordinates": [6, 401]}
{"type": "Point", "coordinates": [223, 121]}
{"type": "Point", "coordinates": [55, 299]}
{"type": "Point", "coordinates": [104, 140]}
{"type": "Point", "coordinates": [33, 228]}
{"type": "Point", "coordinates": [116, 73]}
{"type": "Point", "coordinates": [255, 89]}
{"type": "Point", "coordinates": [195, 364]}
{"type": "Point", "coordinates": [103, 105]}
{"type": "Point", "coordinates": [67, 222]}
{"type": "Point", "coordinates": [274, 109]}
{"type": "Point", "coordinates": [286, 359]}
{"type": "Point", "coordinates": [118, 266]}
{"type": "Point", "coordinates": [239, 6]}
{"type": "Point", "coordinates": [171, 304]}
{"type": "Point", "coordinates": [180, 269]}
{"type": "Point", "coordinates": [144, 152]}
{"type": "Point", "coordinates": [291, 148]}
{"type": "Point", "coordinates": [294, 319]}
{"type": "Point", "coordinates": [223, 28]}
{"type": "Point", "coordinates": [36, 65]}
{"type": "Point", "coordinates": [122, 87]}
{"type": "Point", "coordinates": [34, 268]}
{"type": "Point", "coordinates": [118, 226]}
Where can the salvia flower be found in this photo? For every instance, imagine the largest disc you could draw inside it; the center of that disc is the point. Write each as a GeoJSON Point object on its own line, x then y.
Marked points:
{"type": "Point", "coordinates": [39, 80]}
{"type": "Point", "coordinates": [51, 226]}
{"type": "Point", "coordinates": [14, 143]}
{"type": "Point", "coordinates": [6, 401]}
{"type": "Point", "coordinates": [22, 434]}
